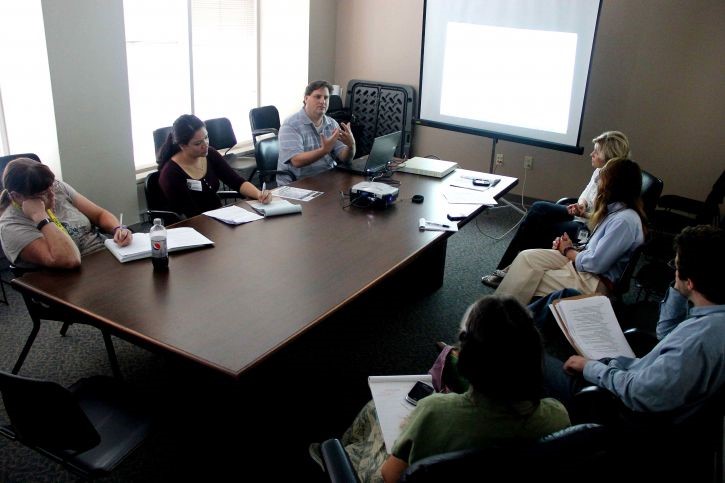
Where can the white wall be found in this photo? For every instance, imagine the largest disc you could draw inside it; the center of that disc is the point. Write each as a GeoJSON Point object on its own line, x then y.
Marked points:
{"type": "Point", "coordinates": [657, 75]}
{"type": "Point", "coordinates": [87, 57]}
{"type": "Point", "coordinates": [323, 33]}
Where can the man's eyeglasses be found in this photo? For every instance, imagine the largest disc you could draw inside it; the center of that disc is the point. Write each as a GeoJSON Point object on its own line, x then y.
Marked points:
{"type": "Point", "coordinates": [672, 264]}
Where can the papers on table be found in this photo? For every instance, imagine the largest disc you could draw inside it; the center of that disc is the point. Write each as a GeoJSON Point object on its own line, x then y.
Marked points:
{"type": "Point", "coordinates": [275, 207]}
{"type": "Point", "coordinates": [233, 215]}
{"type": "Point", "coordinates": [296, 193]}
{"type": "Point", "coordinates": [140, 247]}
{"type": "Point", "coordinates": [591, 327]}
{"type": "Point", "coordinates": [461, 190]}
{"type": "Point", "coordinates": [390, 404]}
{"type": "Point", "coordinates": [456, 195]}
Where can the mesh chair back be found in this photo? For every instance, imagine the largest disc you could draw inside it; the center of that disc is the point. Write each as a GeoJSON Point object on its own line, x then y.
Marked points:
{"type": "Point", "coordinates": [221, 133]}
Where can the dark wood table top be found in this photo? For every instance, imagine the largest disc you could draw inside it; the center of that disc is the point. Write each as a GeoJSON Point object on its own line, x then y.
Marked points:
{"type": "Point", "coordinates": [262, 284]}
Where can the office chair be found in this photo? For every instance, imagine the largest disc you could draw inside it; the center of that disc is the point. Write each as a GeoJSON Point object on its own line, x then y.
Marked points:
{"type": "Point", "coordinates": [266, 154]}
{"type": "Point", "coordinates": [651, 191]}
{"type": "Point", "coordinates": [221, 136]}
{"type": "Point", "coordinates": [89, 428]}
{"type": "Point", "coordinates": [677, 212]}
{"type": "Point", "coordinates": [560, 456]}
{"type": "Point", "coordinates": [263, 120]}
{"type": "Point", "coordinates": [160, 136]}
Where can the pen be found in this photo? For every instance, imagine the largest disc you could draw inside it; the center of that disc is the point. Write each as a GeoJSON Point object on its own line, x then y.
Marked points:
{"type": "Point", "coordinates": [264, 187]}
{"type": "Point", "coordinates": [121, 227]}
{"type": "Point", "coordinates": [431, 223]}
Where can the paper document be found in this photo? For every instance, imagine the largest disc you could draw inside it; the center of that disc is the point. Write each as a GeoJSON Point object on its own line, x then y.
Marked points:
{"type": "Point", "coordinates": [296, 193]}
{"type": "Point", "coordinates": [275, 207]}
{"type": "Point", "coordinates": [390, 404]}
{"type": "Point", "coordinates": [591, 327]}
{"type": "Point", "coordinates": [140, 247]}
{"type": "Point", "coordinates": [233, 215]}
{"type": "Point", "coordinates": [455, 195]}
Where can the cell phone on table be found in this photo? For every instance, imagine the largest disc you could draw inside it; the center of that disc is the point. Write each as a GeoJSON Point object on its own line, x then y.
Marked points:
{"type": "Point", "coordinates": [419, 391]}
{"type": "Point", "coordinates": [481, 182]}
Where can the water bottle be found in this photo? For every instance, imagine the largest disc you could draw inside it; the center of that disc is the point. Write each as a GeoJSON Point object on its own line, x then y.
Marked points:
{"type": "Point", "coordinates": [159, 254]}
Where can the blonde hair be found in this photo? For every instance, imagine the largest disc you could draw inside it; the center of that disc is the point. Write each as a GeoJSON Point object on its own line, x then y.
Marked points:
{"type": "Point", "coordinates": [614, 144]}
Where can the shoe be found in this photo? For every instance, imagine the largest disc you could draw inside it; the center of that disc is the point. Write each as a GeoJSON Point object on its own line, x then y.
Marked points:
{"type": "Point", "coordinates": [316, 455]}
{"type": "Point", "coordinates": [499, 273]}
{"type": "Point", "coordinates": [492, 281]}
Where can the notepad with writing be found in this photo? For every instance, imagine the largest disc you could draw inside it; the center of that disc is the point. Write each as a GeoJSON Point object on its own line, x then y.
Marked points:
{"type": "Point", "coordinates": [276, 207]}
{"type": "Point", "coordinates": [590, 326]}
{"type": "Point", "coordinates": [390, 404]}
{"type": "Point", "coordinates": [176, 239]}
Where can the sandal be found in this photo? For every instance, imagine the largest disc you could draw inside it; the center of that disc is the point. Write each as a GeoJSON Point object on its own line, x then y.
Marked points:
{"type": "Point", "coordinates": [492, 281]}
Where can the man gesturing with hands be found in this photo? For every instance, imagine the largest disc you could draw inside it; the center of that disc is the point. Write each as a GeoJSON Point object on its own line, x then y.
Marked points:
{"type": "Point", "coordinates": [311, 142]}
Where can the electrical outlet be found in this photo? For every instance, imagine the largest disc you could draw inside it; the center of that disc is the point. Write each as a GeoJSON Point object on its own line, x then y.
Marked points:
{"type": "Point", "coordinates": [528, 162]}
{"type": "Point", "coordinates": [499, 159]}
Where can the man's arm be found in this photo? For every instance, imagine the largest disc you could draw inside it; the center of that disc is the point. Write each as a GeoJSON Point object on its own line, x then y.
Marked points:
{"type": "Point", "coordinates": [308, 157]}
{"type": "Point", "coordinates": [673, 310]}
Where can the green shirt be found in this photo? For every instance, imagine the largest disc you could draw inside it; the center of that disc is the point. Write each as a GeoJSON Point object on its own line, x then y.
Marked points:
{"type": "Point", "coordinates": [451, 422]}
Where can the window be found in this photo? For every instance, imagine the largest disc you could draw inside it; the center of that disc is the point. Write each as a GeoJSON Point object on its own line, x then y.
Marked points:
{"type": "Point", "coordinates": [27, 117]}
{"type": "Point", "coordinates": [213, 58]}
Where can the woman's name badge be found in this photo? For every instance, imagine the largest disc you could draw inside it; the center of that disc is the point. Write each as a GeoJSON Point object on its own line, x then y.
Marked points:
{"type": "Point", "coordinates": [193, 184]}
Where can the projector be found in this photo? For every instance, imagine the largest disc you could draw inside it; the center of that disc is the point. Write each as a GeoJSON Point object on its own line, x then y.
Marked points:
{"type": "Point", "coordinates": [379, 194]}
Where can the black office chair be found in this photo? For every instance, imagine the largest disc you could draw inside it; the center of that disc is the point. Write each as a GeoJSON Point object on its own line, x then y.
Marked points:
{"type": "Point", "coordinates": [266, 155]}
{"type": "Point", "coordinates": [651, 191]}
{"type": "Point", "coordinates": [263, 120]}
{"type": "Point", "coordinates": [221, 136]}
{"type": "Point", "coordinates": [160, 136]}
{"type": "Point", "coordinates": [89, 428]}
{"type": "Point", "coordinates": [560, 456]}
{"type": "Point", "coordinates": [677, 212]}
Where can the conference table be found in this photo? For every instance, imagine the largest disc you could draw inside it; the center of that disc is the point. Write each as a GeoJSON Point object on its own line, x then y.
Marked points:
{"type": "Point", "coordinates": [262, 284]}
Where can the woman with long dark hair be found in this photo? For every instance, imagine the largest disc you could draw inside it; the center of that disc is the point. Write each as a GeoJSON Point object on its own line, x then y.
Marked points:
{"type": "Point", "coordinates": [617, 229]}
{"type": "Point", "coordinates": [190, 170]}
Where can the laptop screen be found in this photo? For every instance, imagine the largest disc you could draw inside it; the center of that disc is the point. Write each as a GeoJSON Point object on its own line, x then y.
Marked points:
{"type": "Point", "coordinates": [382, 151]}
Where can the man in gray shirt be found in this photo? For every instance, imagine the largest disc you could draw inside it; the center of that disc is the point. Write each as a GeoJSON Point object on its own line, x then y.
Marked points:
{"type": "Point", "coordinates": [311, 142]}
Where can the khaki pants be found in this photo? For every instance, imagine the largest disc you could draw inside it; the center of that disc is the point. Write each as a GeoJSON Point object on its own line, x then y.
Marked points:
{"type": "Point", "coordinates": [539, 272]}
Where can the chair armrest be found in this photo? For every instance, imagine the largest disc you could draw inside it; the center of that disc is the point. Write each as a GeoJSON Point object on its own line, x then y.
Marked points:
{"type": "Point", "coordinates": [169, 217]}
{"type": "Point", "coordinates": [594, 404]}
{"type": "Point", "coordinates": [567, 201]}
{"type": "Point", "coordinates": [640, 341]}
{"type": "Point", "coordinates": [266, 130]}
{"type": "Point", "coordinates": [680, 203]}
{"type": "Point", "coordinates": [226, 195]}
{"type": "Point", "coordinates": [337, 463]}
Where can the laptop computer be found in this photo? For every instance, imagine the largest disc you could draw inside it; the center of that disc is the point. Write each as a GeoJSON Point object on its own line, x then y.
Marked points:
{"type": "Point", "coordinates": [380, 155]}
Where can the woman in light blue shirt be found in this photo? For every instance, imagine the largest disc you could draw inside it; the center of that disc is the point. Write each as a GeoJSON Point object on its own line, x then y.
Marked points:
{"type": "Point", "coordinates": [617, 226]}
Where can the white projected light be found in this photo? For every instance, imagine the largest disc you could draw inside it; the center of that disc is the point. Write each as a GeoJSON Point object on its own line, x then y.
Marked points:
{"type": "Point", "coordinates": [514, 70]}
{"type": "Point", "coordinates": [527, 76]}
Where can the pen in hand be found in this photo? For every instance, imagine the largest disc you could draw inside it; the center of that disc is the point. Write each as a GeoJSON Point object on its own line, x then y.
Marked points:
{"type": "Point", "coordinates": [431, 223]}
{"type": "Point", "coordinates": [122, 229]}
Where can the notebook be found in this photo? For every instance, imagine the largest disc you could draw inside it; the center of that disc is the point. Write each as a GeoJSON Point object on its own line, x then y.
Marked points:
{"type": "Point", "coordinates": [176, 239]}
{"type": "Point", "coordinates": [380, 155]}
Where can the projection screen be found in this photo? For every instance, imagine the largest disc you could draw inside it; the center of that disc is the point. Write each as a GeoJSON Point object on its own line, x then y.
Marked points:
{"type": "Point", "coordinates": [515, 70]}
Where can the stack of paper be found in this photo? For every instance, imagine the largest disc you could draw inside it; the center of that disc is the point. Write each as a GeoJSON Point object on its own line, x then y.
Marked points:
{"type": "Point", "coordinates": [275, 207]}
{"type": "Point", "coordinates": [233, 215]}
{"type": "Point", "coordinates": [590, 326]}
{"type": "Point", "coordinates": [140, 247]}
{"type": "Point", "coordinates": [390, 404]}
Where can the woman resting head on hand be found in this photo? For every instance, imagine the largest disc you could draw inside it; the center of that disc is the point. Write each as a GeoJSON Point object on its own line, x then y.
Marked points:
{"type": "Point", "coordinates": [45, 222]}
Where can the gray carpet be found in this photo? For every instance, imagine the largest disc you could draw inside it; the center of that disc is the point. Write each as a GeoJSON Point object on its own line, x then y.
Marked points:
{"type": "Point", "coordinates": [308, 392]}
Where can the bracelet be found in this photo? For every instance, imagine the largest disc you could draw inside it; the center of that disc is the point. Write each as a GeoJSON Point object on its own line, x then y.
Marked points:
{"type": "Point", "coordinates": [566, 250]}
{"type": "Point", "coordinates": [42, 223]}
{"type": "Point", "coordinates": [119, 227]}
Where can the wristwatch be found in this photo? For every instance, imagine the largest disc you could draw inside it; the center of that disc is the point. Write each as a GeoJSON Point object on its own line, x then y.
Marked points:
{"type": "Point", "coordinates": [42, 223]}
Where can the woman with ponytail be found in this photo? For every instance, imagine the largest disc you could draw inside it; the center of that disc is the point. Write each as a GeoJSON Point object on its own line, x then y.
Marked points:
{"type": "Point", "coordinates": [190, 170]}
